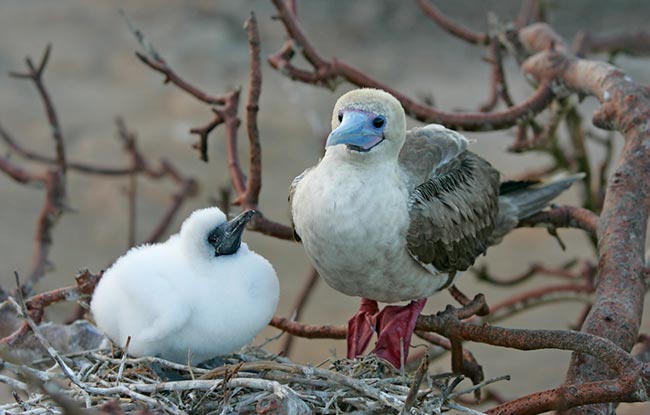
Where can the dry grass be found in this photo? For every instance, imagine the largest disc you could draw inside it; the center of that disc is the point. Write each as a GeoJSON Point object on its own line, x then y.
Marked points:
{"type": "Point", "coordinates": [104, 380]}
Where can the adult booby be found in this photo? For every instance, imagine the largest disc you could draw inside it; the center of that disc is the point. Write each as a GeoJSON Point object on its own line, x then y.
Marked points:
{"type": "Point", "coordinates": [202, 293]}
{"type": "Point", "coordinates": [391, 215]}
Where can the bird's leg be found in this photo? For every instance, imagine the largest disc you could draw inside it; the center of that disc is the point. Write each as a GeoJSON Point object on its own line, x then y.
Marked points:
{"type": "Point", "coordinates": [361, 327]}
{"type": "Point", "coordinates": [395, 327]}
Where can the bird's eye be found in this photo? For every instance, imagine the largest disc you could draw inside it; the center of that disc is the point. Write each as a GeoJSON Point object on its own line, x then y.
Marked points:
{"type": "Point", "coordinates": [213, 237]}
{"type": "Point", "coordinates": [340, 116]}
{"type": "Point", "coordinates": [378, 122]}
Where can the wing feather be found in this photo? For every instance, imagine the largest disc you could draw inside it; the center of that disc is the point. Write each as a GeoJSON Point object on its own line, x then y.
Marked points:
{"type": "Point", "coordinates": [454, 199]}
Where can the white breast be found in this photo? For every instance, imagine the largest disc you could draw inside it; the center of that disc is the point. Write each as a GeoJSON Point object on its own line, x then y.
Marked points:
{"type": "Point", "coordinates": [352, 221]}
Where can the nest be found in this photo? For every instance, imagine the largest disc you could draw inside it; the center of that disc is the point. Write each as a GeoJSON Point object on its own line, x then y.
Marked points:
{"type": "Point", "coordinates": [104, 380]}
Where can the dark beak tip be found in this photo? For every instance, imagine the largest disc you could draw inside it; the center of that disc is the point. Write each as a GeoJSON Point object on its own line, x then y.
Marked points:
{"type": "Point", "coordinates": [248, 215]}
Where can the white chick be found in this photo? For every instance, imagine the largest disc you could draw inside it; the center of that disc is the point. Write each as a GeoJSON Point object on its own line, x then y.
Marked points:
{"type": "Point", "coordinates": [200, 294]}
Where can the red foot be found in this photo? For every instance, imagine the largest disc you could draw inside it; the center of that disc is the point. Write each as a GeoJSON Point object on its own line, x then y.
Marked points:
{"type": "Point", "coordinates": [394, 326]}
{"type": "Point", "coordinates": [361, 327]}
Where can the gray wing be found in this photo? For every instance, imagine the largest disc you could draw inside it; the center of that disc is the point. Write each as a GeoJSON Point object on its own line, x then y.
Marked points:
{"type": "Point", "coordinates": [453, 202]}
{"type": "Point", "coordinates": [292, 189]}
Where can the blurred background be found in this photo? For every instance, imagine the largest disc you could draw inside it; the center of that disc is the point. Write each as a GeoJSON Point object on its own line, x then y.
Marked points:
{"type": "Point", "coordinates": [93, 76]}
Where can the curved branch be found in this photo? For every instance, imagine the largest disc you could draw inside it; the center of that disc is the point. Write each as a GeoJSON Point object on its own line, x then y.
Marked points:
{"type": "Point", "coordinates": [453, 28]}
{"type": "Point", "coordinates": [537, 297]}
{"type": "Point", "coordinates": [625, 106]}
{"type": "Point", "coordinates": [326, 72]}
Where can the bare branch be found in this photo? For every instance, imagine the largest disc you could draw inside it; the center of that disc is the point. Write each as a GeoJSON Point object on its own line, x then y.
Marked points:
{"type": "Point", "coordinates": [453, 28]}
{"type": "Point", "coordinates": [565, 217]}
{"type": "Point", "coordinates": [630, 43]}
{"type": "Point", "coordinates": [35, 74]}
{"type": "Point", "coordinates": [85, 285]}
{"type": "Point", "coordinates": [625, 106]}
{"type": "Point", "coordinates": [327, 72]}
{"type": "Point", "coordinates": [254, 184]}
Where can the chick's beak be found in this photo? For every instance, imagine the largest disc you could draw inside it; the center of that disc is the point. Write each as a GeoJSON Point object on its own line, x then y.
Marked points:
{"type": "Point", "coordinates": [230, 239]}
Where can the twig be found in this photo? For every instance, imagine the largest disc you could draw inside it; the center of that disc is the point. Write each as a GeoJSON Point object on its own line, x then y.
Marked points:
{"type": "Point", "coordinates": [85, 285]}
{"type": "Point", "coordinates": [537, 297]}
{"type": "Point", "coordinates": [35, 74]}
{"type": "Point", "coordinates": [563, 271]}
{"type": "Point", "coordinates": [415, 385]}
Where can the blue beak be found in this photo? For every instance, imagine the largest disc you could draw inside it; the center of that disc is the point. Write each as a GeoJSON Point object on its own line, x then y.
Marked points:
{"type": "Point", "coordinates": [356, 131]}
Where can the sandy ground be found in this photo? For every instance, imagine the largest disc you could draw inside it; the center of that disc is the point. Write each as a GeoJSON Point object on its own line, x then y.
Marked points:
{"type": "Point", "coordinates": [93, 76]}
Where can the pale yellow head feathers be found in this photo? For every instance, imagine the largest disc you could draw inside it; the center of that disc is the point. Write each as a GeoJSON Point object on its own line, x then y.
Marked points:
{"type": "Point", "coordinates": [380, 103]}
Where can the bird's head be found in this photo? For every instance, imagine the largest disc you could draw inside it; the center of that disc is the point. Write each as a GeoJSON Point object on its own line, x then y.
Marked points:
{"type": "Point", "coordinates": [208, 233]}
{"type": "Point", "coordinates": [369, 123]}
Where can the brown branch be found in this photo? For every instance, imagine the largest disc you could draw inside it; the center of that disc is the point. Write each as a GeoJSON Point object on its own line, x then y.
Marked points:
{"type": "Point", "coordinates": [308, 331]}
{"type": "Point", "coordinates": [53, 206]}
{"type": "Point", "coordinates": [448, 323]}
{"type": "Point", "coordinates": [19, 174]}
{"type": "Point", "coordinates": [531, 11]}
{"type": "Point", "coordinates": [247, 192]}
{"type": "Point", "coordinates": [53, 180]}
{"type": "Point", "coordinates": [85, 285]}
{"type": "Point", "coordinates": [224, 115]}
{"type": "Point", "coordinates": [451, 27]}
{"type": "Point", "coordinates": [229, 115]}
{"type": "Point", "coordinates": [254, 184]}
{"type": "Point", "coordinates": [325, 72]}
{"type": "Point", "coordinates": [35, 74]}
{"type": "Point", "coordinates": [159, 64]}
{"type": "Point", "coordinates": [261, 224]}
{"type": "Point", "coordinates": [624, 389]}
{"type": "Point", "coordinates": [630, 43]}
{"type": "Point", "coordinates": [129, 141]}
{"type": "Point", "coordinates": [188, 188]}
{"type": "Point", "coordinates": [535, 297]}
{"type": "Point", "coordinates": [564, 217]}
{"type": "Point", "coordinates": [625, 106]}
{"type": "Point", "coordinates": [80, 167]}
{"type": "Point", "coordinates": [50, 212]}
{"type": "Point", "coordinates": [498, 86]}
{"type": "Point", "coordinates": [483, 274]}
{"type": "Point", "coordinates": [522, 339]}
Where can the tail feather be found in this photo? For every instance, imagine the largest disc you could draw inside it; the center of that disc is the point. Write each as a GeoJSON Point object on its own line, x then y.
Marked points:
{"type": "Point", "coordinates": [531, 197]}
